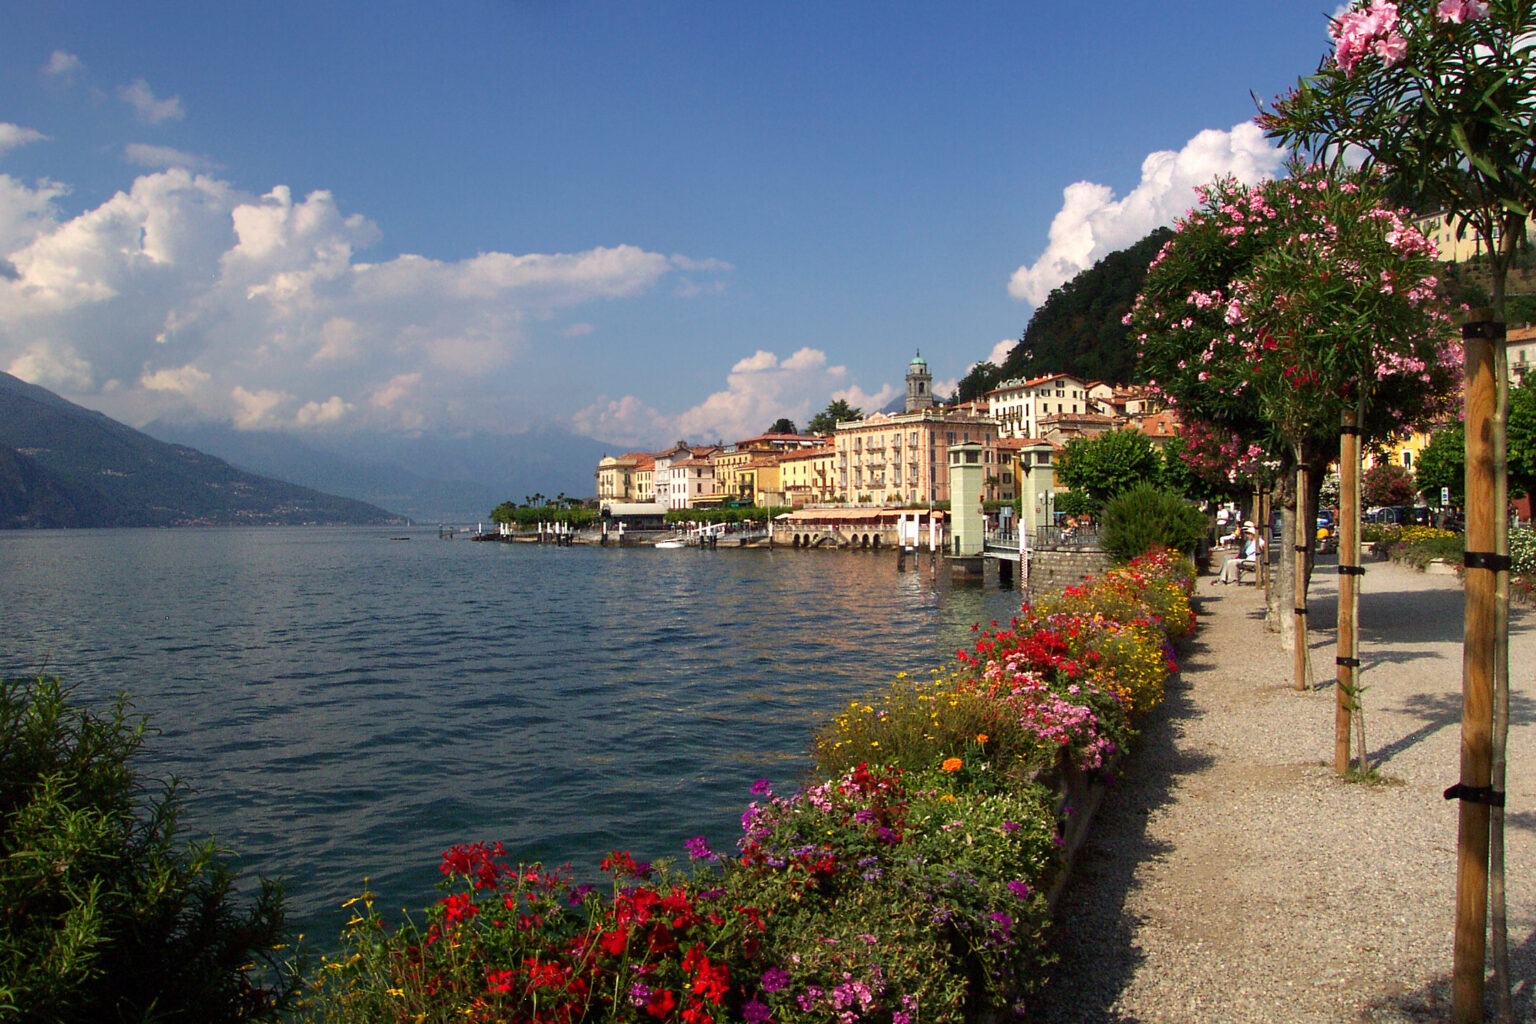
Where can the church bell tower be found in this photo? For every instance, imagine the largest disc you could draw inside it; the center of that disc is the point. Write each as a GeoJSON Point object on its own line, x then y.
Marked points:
{"type": "Point", "coordinates": [919, 385]}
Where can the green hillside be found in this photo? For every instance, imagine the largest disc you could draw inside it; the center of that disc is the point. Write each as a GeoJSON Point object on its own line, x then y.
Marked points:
{"type": "Point", "coordinates": [1077, 329]}
{"type": "Point", "coordinates": [65, 466]}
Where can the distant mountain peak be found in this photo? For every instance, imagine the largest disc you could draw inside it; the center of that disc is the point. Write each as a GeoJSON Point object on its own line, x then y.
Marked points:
{"type": "Point", "coordinates": [62, 465]}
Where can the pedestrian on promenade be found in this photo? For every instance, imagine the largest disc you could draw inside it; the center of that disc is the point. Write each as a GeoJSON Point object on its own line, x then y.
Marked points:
{"type": "Point", "coordinates": [1248, 558]}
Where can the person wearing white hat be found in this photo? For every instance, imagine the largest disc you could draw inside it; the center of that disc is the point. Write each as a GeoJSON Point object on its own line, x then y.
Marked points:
{"type": "Point", "coordinates": [1232, 568]}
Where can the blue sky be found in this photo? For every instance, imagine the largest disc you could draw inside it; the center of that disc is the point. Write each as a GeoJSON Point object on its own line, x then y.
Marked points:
{"type": "Point", "coordinates": [637, 221]}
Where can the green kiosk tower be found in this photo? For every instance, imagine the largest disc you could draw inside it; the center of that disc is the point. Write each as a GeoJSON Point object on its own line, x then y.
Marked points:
{"type": "Point", "coordinates": [967, 519]}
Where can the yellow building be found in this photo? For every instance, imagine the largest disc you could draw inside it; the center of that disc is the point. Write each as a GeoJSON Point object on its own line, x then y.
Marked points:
{"type": "Point", "coordinates": [1456, 245]}
{"type": "Point", "coordinates": [616, 476]}
{"type": "Point", "coordinates": [806, 476]}
{"type": "Point", "coordinates": [761, 481]}
{"type": "Point", "coordinates": [1403, 453]}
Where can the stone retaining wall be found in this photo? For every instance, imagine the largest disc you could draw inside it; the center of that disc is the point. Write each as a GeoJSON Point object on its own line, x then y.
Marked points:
{"type": "Point", "coordinates": [1050, 571]}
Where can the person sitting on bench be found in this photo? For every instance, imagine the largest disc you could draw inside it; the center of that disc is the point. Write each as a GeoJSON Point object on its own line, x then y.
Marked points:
{"type": "Point", "coordinates": [1232, 568]}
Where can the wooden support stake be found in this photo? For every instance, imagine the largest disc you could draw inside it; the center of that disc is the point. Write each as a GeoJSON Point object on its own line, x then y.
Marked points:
{"type": "Point", "coordinates": [1470, 946]}
{"type": "Point", "coordinates": [1299, 648]}
{"type": "Point", "coordinates": [1349, 559]}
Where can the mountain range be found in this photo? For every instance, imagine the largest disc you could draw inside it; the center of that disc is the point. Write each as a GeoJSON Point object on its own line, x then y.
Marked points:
{"type": "Point", "coordinates": [431, 479]}
{"type": "Point", "coordinates": [62, 465]}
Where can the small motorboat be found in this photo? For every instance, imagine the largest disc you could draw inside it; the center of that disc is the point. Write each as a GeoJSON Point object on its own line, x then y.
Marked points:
{"type": "Point", "coordinates": [671, 544]}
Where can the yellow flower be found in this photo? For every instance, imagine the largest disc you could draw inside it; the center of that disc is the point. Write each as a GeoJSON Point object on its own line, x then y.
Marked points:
{"type": "Point", "coordinates": [981, 737]}
{"type": "Point", "coordinates": [947, 798]}
{"type": "Point", "coordinates": [952, 764]}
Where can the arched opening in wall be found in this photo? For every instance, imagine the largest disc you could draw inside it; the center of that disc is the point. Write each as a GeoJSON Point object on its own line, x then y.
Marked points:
{"type": "Point", "coordinates": [794, 540]}
{"type": "Point", "coordinates": [876, 543]}
{"type": "Point", "coordinates": [864, 541]}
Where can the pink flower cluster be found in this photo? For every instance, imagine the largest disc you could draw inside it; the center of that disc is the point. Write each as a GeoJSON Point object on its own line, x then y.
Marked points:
{"type": "Point", "coordinates": [1359, 33]}
{"type": "Point", "coordinates": [1458, 11]}
{"type": "Point", "coordinates": [1376, 29]}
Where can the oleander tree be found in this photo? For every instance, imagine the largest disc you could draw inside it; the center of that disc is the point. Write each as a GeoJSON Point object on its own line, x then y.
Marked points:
{"type": "Point", "coordinates": [1442, 94]}
{"type": "Point", "coordinates": [1277, 307]}
{"type": "Point", "coordinates": [1387, 483]}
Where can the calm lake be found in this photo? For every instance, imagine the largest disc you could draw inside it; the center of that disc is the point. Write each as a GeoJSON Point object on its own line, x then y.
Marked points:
{"type": "Point", "coordinates": [347, 705]}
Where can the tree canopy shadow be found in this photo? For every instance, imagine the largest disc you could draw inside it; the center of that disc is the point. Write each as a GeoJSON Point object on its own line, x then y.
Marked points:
{"type": "Point", "coordinates": [1441, 710]}
{"type": "Point", "coordinates": [1432, 1001]}
{"type": "Point", "coordinates": [1094, 932]}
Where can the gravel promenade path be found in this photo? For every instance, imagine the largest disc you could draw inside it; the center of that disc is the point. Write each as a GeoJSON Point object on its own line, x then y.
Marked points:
{"type": "Point", "coordinates": [1230, 877]}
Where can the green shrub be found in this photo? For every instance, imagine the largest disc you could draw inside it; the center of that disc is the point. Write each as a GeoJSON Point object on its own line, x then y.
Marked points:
{"type": "Point", "coordinates": [1073, 503]}
{"type": "Point", "coordinates": [107, 917]}
{"type": "Point", "coordinates": [1145, 517]}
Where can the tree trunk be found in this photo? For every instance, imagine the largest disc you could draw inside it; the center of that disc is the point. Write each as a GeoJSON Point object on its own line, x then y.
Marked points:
{"type": "Point", "coordinates": [1348, 659]}
{"type": "Point", "coordinates": [1300, 667]}
{"type": "Point", "coordinates": [1282, 618]}
{"type": "Point", "coordinates": [1479, 644]}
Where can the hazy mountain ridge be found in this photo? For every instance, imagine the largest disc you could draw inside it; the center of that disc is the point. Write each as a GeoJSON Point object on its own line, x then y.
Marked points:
{"type": "Point", "coordinates": [62, 465]}
{"type": "Point", "coordinates": [457, 479]}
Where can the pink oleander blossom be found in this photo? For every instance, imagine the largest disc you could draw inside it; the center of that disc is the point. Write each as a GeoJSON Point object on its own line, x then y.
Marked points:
{"type": "Point", "coordinates": [1457, 11]}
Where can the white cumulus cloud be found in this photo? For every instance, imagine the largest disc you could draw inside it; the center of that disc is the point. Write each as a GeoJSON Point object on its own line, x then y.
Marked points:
{"type": "Point", "coordinates": [1092, 222]}
{"type": "Point", "coordinates": [759, 389]}
{"type": "Point", "coordinates": [147, 106]}
{"type": "Point", "coordinates": [62, 65]}
{"type": "Point", "coordinates": [999, 353]}
{"type": "Point", "coordinates": [13, 135]}
{"type": "Point", "coordinates": [183, 295]}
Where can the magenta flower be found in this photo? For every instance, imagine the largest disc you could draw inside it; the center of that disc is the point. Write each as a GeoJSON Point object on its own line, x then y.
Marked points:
{"type": "Point", "coordinates": [774, 979]}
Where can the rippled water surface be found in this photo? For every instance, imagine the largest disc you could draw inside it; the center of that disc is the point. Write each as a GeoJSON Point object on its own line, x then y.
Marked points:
{"type": "Point", "coordinates": [346, 705]}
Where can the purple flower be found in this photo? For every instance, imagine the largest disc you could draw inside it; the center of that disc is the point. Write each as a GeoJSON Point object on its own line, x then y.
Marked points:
{"type": "Point", "coordinates": [1020, 889]}
{"type": "Point", "coordinates": [774, 979]}
{"type": "Point", "coordinates": [887, 835]}
{"type": "Point", "coordinates": [578, 894]}
{"type": "Point", "coordinates": [698, 848]}
{"type": "Point", "coordinates": [639, 993]}
{"type": "Point", "coordinates": [755, 1012]}
{"type": "Point", "coordinates": [864, 816]}
{"type": "Point", "coordinates": [809, 997]}
{"type": "Point", "coordinates": [762, 788]}
{"type": "Point", "coordinates": [1011, 826]}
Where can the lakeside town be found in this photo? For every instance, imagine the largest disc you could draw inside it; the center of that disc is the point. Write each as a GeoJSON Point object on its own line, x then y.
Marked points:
{"type": "Point", "coordinates": [895, 460]}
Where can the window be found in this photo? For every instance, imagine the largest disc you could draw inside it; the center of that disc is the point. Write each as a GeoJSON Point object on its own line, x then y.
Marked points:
{"type": "Point", "coordinates": [1408, 460]}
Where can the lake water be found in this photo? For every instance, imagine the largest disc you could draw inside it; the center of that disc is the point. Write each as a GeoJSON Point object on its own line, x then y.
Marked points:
{"type": "Point", "coordinates": [347, 705]}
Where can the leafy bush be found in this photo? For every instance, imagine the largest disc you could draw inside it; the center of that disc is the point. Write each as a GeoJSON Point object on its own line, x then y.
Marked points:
{"type": "Point", "coordinates": [1145, 517]}
{"type": "Point", "coordinates": [873, 896]}
{"type": "Point", "coordinates": [106, 916]}
{"type": "Point", "coordinates": [1073, 503]}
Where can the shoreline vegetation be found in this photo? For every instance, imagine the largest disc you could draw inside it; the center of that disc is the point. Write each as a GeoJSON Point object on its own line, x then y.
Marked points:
{"type": "Point", "coordinates": [908, 880]}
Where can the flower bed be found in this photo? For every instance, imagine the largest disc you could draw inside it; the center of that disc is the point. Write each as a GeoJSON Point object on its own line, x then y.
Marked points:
{"type": "Point", "coordinates": [909, 885]}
